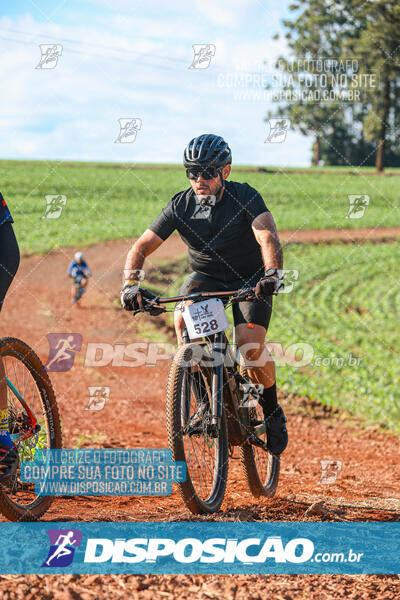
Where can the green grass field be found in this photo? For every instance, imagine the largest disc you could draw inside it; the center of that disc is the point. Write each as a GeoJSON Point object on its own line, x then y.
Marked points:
{"type": "Point", "coordinates": [111, 201]}
{"type": "Point", "coordinates": [344, 306]}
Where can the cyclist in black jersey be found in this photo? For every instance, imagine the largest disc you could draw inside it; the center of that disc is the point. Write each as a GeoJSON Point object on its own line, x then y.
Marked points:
{"type": "Point", "coordinates": [232, 243]}
{"type": "Point", "coordinates": [9, 262]}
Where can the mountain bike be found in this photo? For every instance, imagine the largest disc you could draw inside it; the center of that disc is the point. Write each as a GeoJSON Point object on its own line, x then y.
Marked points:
{"type": "Point", "coordinates": [33, 423]}
{"type": "Point", "coordinates": [212, 406]}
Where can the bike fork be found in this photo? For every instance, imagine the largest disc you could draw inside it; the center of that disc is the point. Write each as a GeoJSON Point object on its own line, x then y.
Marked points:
{"type": "Point", "coordinates": [186, 382]}
{"type": "Point", "coordinates": [185, 336]}
{"type": "Point", "coordinates": [217, 385]}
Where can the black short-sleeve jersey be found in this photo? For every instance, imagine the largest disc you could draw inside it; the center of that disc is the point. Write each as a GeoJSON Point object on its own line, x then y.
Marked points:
{"type": "Point", "coordinates": [220, 239]}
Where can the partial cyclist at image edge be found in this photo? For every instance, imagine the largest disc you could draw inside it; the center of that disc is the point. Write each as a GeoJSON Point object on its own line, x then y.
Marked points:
{"type": "Point", "coordinates": [29, 417]}
{"type": "Point", "coordinates": [79, 271]}
{"type": "Point", "coordinates": [9, 263]}
{"type": "Point", "coordinates": [232, 244]}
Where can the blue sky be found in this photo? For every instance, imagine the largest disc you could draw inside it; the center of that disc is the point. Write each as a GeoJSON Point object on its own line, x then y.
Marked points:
{"type": "Point", "coordinates": [130, 59]}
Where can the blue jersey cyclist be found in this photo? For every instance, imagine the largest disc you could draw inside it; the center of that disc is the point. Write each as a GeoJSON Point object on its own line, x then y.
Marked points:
{"type": "Point", "coordinates": [79, 271]}
{"type": "Point", "coordinates": [232, 243]}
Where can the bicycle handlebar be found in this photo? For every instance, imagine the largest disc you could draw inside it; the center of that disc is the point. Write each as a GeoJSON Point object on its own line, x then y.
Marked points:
{"type": "Point", "coordinates": [237, 296]}
{"type": "Point", "coordinates": [197, 295]}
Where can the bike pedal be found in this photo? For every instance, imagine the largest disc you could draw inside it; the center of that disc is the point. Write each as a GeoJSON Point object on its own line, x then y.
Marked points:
{"type": "Point", "coordinates": [256, 441]}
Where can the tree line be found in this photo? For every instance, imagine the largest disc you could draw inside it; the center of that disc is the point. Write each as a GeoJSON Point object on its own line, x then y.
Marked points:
{"type": "Point", "coordinates": [340, 80]}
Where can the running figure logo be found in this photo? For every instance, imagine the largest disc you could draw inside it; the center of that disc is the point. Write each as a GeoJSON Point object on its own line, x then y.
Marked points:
{"type": "Point", "coordinates": [63, 543]}
{"type": "Point", "coordinates": [204, 204]}
{"type": "Point", "coordinates": [278, 129]}
{"type": "Point", "coordinates": [97, 397]}
{"type": "Point", "coordinates": [357, 205]}
{"type": "Point", "coordinates": [290, 276]}
{"type": "Point", "coordinates": [62, 350]}
{"type": "Point", "coordinates": [330, 470]}
{"type": "Point", "coordinates": [128, 129]}
{"type": "Point", "coordinates": [54, 206]}
{"type": "Point", "coordinates": [251, 393]}
{"type": "Point", "coordinates": [50, 54]}
{"type": "Point", "coordinates": [203, 53]}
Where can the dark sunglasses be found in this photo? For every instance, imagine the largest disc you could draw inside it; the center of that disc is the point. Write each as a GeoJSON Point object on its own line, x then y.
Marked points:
{"type": "Point", "coordinates": [209, 173]}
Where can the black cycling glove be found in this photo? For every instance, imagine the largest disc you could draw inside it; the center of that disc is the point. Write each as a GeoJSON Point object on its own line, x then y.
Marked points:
{"type": "Point", "coordinates": [270, 284]}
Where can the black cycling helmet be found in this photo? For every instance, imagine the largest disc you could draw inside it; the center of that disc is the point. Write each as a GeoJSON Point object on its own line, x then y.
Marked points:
{"type": "Point", "coordinates": [207, 150]}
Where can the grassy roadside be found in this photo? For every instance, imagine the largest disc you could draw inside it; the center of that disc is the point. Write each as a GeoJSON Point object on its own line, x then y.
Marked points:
{"type": "Point", "coordinates": [112, 201]}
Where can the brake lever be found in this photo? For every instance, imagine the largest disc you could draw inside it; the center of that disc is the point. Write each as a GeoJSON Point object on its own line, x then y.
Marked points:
{"type": "Point", "coordinates": [148, 305]}
{"type": "Point", "coordinates": [245, 295]}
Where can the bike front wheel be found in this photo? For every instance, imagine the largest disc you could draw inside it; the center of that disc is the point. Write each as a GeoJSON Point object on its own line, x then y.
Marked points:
{"type": "Point", "coordinates": [33, 423]}
{"type": "Point", "coordinates": [189, 398]}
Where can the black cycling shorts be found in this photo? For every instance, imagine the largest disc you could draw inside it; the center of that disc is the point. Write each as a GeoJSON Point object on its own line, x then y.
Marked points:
{"type": "Point", "coordinates": [256, 311]}
{"type": "Point", "coordinates": [9, 258]}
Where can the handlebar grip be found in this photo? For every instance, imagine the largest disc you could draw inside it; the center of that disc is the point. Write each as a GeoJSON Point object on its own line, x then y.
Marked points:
{"type": "Point", "coordinates": [270, 288]}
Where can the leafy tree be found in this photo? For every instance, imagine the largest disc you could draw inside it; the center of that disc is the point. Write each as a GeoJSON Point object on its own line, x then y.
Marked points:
{"type": "Point", "coordinates": [365, 30]}
{"type": "Point", "coordinates": [378, 47]}
{"type": "Point", "coordinates": [314, 33]}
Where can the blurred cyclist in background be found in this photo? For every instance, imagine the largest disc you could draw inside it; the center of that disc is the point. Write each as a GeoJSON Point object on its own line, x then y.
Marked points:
{"type": "Point", "coordinates": [79, 271]}
{"type": "Point", "coordinates": [9, 263]}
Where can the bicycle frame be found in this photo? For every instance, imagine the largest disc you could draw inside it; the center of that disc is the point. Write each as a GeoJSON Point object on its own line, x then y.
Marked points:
{"type": "Point", "coordinates": [221, 390]}
{"type": "Point", "coordinates": [225, 383]}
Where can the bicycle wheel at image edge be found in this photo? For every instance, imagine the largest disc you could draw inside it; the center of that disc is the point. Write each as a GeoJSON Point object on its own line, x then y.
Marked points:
{"type": "Point", "coordinates": [26, 373]}
{"type": "Point", "coordinates": [261, 468]}
{"type": "Point", "coordinates": [188, 400]}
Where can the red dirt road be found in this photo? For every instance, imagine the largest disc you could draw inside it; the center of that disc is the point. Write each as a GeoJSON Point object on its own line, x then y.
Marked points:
{"type": "Point", "coordinates": [367, 487]}
{"type": "Point", "coordinates": [346, 236]}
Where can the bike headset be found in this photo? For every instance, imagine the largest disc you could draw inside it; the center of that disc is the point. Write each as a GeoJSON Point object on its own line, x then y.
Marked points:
{"type": "Point", "coordinates": [208, 150]}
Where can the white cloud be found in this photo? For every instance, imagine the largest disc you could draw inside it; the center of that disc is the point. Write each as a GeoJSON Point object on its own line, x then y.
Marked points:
{"type": "Point", "coordinates": [72, 111]}
{"type": "Point", "coordinates": [248, 55]}
{"type": "Point", "coordinates": [224, 12]}
{"type": "Point", "coordinates": [177, 31]}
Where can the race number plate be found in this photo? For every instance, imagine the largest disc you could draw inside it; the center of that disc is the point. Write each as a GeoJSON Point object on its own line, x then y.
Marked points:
{"type": "Point", "coordinates": [205, 318]}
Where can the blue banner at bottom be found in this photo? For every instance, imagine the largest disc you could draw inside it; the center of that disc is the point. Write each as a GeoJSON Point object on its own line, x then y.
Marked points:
{"type": "Point", "coordinates": [195, 548]}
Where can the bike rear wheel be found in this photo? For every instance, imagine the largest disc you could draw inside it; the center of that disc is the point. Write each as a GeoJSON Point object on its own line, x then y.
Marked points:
{"type": "Point", "coordinates": [261, 468]}
{"type": "Point", "coordinates": [28, 379]}
{"type": "Point", "coordinates": [189, 399]}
